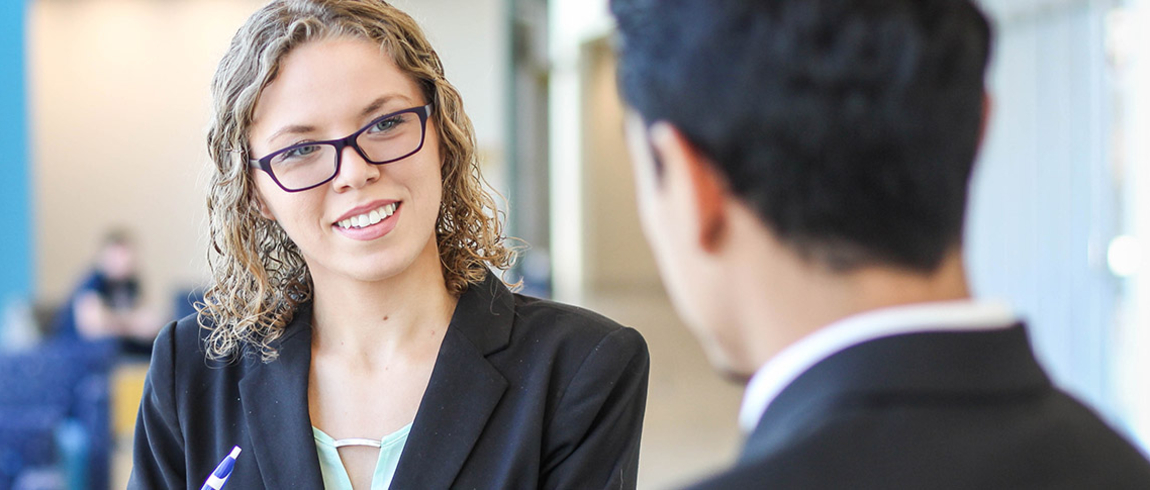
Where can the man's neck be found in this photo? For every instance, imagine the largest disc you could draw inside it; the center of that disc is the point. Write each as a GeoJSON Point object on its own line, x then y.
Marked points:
{"type": "Point", "coordinates": [801, 298]}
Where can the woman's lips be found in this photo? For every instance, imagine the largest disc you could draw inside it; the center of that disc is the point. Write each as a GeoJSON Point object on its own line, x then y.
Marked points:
{"type": "Point", "coordinates": [371, 231]}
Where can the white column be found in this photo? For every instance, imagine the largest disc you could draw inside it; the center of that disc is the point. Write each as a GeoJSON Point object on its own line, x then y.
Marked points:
{"type": "Point", "coordinates": [573, 23]}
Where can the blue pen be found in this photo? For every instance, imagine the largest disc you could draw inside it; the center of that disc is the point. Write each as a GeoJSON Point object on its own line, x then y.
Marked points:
{"type": "Point", "coordinates": [219, 477]}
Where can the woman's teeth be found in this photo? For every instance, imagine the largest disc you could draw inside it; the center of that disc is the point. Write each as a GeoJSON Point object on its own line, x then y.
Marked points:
{"type": "Point", "coordinates": [369, 218]}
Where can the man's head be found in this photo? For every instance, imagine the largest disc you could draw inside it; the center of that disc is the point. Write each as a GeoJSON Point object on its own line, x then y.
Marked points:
{"type": "Point", "coordinates": [117, 257]}
{"type": "Point", "coordinates": [847, 128]}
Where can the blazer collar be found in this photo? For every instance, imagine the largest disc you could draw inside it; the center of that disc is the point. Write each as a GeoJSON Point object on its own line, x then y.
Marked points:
{"type": "Point", "coordinates": [461, 395]}
{"type": "Point", "coordinates": [463, 391]}
{"type": "Point", "coordinates": [947, 364]}
{"type": "Point", "coordinates": [484, 315]}
{"type": "Point", "coordinates": [274, 399]}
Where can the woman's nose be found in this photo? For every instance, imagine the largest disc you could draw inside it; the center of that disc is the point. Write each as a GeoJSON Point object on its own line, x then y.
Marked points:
{"type": "Point", "coordinates": [354, 171]}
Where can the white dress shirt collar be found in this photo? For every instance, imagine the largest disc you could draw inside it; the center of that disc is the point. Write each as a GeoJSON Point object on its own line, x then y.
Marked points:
{"type": "Point", "coordinates": [788, 364]}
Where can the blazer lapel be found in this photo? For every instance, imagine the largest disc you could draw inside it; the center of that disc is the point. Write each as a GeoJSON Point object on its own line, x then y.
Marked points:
{"type": "Point", "coordinates": [274, 398]}
{"type": "Point", "coordinates": [463, 391]}
{"type": "Point", "coordinates": [928, 364]}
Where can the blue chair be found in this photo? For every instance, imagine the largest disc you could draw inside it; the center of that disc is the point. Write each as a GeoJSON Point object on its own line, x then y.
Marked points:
{"type": "Point", "coordinates": [58, 386]}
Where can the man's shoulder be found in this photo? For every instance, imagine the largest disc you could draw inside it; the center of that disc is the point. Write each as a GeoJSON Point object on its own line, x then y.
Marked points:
{"type": "Point", "coordinates": [809, 475]}
{"type": "Point", "coordinates": [1047, 440]}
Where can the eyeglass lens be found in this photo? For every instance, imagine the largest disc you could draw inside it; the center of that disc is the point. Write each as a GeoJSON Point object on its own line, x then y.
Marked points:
{"type": "Point", "coordinates": [385, 140]}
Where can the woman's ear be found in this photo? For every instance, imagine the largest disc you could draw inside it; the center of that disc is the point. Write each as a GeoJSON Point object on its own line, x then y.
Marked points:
{"type": "Point", "coordinates": [261, 207]}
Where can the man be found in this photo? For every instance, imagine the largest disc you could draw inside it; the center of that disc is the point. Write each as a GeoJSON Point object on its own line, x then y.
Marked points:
{"type": "Point", "coordinates": [106, 303]}
{"type": "Point", "coordinates": [802, 170]}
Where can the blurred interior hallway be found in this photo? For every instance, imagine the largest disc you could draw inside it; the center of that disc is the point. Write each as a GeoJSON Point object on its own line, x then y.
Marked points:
{"type": "Point", "coordinates": [690, 428]}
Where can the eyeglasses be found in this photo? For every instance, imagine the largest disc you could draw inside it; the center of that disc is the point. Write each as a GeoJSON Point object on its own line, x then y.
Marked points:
{"type": "Point", "coordinates": [311, 164]}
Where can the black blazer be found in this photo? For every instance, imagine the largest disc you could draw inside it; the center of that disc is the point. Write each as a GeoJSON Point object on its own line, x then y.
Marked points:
{"type": "Point", "coordinates": [969, 410]}
{"type": "Point", "coordinates": [525, 393]}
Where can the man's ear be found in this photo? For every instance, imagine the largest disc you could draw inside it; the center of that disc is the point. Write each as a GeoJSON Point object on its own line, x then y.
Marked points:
{"type": "Point", "coordinates": [705, 188]}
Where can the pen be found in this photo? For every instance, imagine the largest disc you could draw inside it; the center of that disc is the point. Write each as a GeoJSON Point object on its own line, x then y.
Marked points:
{"type": "Point", "coordinates": [219, 477]}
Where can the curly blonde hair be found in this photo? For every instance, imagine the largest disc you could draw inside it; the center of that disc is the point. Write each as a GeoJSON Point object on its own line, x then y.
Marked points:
{"type": "Point", "coordinates": [259, 277]}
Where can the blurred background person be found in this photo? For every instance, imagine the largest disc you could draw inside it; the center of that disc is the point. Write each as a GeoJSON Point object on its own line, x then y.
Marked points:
{"type": "Point", "coordinates": [60, 395]}
{"type": "Point", "coordinates": [106, 305]}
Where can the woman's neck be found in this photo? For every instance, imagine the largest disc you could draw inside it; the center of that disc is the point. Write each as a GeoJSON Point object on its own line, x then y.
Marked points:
{"type": "Point", "coordinates": [365, 319]}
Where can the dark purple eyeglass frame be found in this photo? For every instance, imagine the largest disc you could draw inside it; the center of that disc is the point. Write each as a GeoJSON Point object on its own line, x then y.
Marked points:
{"type": "Point", "coordinates": [265, 163]}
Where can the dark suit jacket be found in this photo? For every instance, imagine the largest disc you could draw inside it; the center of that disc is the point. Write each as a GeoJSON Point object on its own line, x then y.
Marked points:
{"type": "Point", "coordinates": [969, 410]}
{"type": "Point", "coordinates": [525, 393]}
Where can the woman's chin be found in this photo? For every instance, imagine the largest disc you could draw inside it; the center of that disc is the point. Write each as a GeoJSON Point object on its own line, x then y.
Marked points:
{"type": "Point", "coordinates": [376, 264]}
{"type": "Point", "coordinates": [378, 271]}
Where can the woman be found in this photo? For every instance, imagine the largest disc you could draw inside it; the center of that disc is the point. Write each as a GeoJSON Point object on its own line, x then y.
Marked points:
{"type": "Point", "coordinates": [354, 336]}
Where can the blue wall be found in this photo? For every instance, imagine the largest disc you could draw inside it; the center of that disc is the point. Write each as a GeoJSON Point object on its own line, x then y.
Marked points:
{"type": "Point", "coordinates": [16, 259]}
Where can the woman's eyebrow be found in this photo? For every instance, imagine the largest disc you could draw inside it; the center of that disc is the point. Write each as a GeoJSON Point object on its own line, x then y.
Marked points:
{"type": "Point", "coordinates": [293, 129]}
{"type": "Point", "coordinates": [377, 104]}
{"type": "Point", "coordinates": [369, 110]}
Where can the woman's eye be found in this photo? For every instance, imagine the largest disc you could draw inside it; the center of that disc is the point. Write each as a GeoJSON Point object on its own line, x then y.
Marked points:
{"type": "Point", "coordinates": [301, 151]}
{"type": "Point", "coordinates": [296, 153]}
{"type": "Point", "coordinates": [386, 124]}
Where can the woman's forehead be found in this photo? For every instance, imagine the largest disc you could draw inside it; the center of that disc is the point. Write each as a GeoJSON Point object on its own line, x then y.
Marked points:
{"type": "Point", "coordinates": [333, 81]}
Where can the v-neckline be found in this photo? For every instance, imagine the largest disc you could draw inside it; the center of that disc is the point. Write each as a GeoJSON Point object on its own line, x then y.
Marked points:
{"type": "Point", "coordinates": [391, 446]}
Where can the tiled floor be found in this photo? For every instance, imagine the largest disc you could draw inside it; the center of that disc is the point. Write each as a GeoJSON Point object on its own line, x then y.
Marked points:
{"type": "Point", "coordinates": [690, 427]}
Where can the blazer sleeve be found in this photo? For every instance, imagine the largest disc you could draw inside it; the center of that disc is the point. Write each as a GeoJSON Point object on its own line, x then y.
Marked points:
{"type": "Point", "coordinates": [593, 438]}
{"type": "Point", "coordinates": [158, 450]}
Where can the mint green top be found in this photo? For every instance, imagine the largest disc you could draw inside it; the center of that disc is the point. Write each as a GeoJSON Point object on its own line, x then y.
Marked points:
{"type": "Point", "coordinates": [335, 475]}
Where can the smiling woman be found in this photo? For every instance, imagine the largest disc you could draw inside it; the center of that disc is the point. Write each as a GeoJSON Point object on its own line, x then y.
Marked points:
{"type": "Point", "coordinates": [355, 336]}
